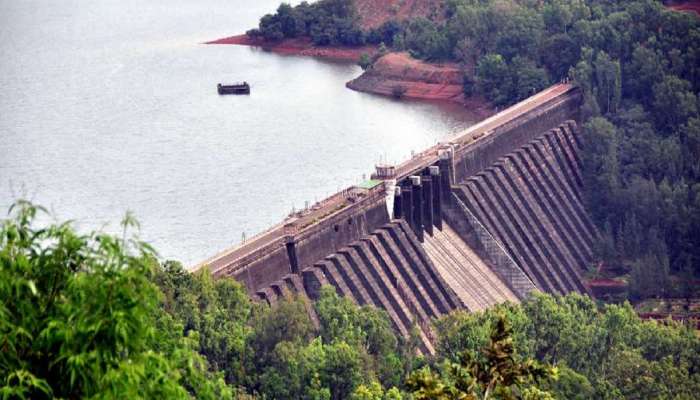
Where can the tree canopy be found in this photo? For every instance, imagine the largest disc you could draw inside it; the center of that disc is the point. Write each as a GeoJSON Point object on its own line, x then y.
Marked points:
{"type": "Point", "coordinates": [98, 316]}
{"type": "Point", "coordinates": [80, 318]}
{"type": "Point", "coordinates": [326, 22]}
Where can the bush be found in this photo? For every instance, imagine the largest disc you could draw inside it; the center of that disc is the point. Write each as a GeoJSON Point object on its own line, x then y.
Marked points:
{"type": "Point", "coordinates": [365, 61]}
{"type": "Point", "coordinates": [398, 91]}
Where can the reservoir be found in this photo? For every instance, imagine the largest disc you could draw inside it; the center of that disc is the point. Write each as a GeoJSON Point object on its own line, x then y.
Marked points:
{"type": "Point", "coordinates": [111, 105]}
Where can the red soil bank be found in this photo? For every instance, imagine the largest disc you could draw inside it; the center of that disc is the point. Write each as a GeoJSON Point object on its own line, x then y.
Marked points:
{"type": "Point", "coordinates": [607, 287]}
{"type": "Point", "coordinates": [607, 283]}
{"type": "Point", "coordinates": [398, 73]}
{"type": "Point", "coordinates": [300, 46]}
{"type": "Point", "coordinates": [688, 6]}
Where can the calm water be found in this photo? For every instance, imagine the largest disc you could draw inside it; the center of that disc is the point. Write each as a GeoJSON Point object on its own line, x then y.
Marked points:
{"type": "Point", "coordinates": [110, 105]}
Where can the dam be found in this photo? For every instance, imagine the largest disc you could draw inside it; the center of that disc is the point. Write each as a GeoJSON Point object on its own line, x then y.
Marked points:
{"type": "Point", "coordinates": [487, 217]}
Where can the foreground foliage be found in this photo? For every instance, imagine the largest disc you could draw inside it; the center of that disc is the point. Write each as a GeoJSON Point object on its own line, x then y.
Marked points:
{"type": "Point", "coordinates": [493, 373]}
{"type": "Point", "coordinates": [606, 353]}
{"type": "Point", "coordinates": [96, 316]}
{"type": "Point", "coordinates": [80, 318]}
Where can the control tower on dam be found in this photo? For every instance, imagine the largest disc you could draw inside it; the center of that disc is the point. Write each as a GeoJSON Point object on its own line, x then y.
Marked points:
{"type": "Point", "coordinates": [485, 218]}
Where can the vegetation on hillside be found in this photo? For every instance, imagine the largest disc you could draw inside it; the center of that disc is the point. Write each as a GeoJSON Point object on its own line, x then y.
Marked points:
{"type": "Point", "coordinates": [97, 316]}
{"type": "Point", "coordinates": [326, 22]}
{"type": "Point", "coordinates": [639, 67]}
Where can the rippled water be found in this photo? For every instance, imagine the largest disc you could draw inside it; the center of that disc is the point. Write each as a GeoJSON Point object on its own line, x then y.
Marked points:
{"type": "Point", "coordinates": [110, 105]}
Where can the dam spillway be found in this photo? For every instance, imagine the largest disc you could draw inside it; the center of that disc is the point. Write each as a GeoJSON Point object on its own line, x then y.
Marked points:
{"type": "Point", "coordinates": [485, 218]}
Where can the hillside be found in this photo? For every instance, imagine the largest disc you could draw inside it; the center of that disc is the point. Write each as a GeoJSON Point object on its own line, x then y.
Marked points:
{"type": "Point", "coordinates": [373, 13]}
{"type": "Point", "coordinates": [400, 75]}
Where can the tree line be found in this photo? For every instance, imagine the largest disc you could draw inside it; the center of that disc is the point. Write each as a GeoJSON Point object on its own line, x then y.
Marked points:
{"type": "Point", "coordinates": [326, 22]}
{"type": "Point", "coordinates": [98, 316]}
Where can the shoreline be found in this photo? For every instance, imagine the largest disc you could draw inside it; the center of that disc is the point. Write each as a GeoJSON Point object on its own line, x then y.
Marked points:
{"type": "Point", "coordinates": [301, 47]}
{"type": "Point", "coordinates": [418, 80]}
{"type": "Point", "coordinates": [399, 75]}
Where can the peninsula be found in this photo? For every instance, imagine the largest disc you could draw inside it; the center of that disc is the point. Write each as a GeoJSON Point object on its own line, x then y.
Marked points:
{"type": "Point", "coordinates": [390, 68]}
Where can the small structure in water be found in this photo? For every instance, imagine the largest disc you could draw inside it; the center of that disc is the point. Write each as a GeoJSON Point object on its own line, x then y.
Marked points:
{"type": "Point", "coordinates": [236, 88]}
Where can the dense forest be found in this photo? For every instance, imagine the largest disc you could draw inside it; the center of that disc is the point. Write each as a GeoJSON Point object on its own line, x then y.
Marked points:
{"type": "Point", "coordinates": [98, 316]}
{"type": "Point", "coordinates": [638, 65]}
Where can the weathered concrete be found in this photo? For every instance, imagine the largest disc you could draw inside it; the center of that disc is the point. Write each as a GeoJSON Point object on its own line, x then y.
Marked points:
{"type": "Point", "coordinates": [476, 285]}
{"type": "Point", "coordinates": [514, 133]}
{"type": "Point", "coordinates": [437, 196]}
{"type": "Point", "coordinates": [527, 204]}
{"type": "Point", "coordinates": [489, 250]}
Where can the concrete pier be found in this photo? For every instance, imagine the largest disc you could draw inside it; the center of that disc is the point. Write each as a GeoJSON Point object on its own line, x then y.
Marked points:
{"type": "Point", "coordinates": [417, 209]}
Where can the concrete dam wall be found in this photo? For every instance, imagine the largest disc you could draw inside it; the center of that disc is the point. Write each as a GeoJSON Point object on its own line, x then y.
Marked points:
{"type": "Point", "coordinates": [485, 218]}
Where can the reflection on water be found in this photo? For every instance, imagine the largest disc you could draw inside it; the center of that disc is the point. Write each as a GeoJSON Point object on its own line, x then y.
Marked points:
{"type": "Point", "coordinates": [111, 105]}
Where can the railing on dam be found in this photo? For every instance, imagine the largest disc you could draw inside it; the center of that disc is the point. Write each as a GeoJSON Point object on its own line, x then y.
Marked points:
{"type": "Point", "coordinates": [482, 131]}
{"type": "Point", "coordinates": [298, 225]}
{"type": "Point", "coordinates": [501, 262]}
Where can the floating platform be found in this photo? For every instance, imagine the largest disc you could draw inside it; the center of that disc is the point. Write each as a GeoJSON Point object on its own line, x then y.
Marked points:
{"type": "Point", "coordinates": [236, 88]}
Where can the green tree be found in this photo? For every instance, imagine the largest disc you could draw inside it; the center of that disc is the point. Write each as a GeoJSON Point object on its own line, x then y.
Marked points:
{"type": "Point", "coordinates": [290, 24]}
{"type": "Point", "coordinates": [426, 40]}
{"type": "Point", "coordinates": [367, 329]}
{"type": "Point", "coordinates": [674, 102]}
{"type": "Point", "coordinates": [365, 61]}
{"type": "Point", "coordinates": [583, 75]}
{"type": "Point", "coordinates": [570, 385]}
{"type": "Point", "coordinates": [600, 166]}
{"type": "Point", "coordinates": [270, 28]}
{"type": "Point", "coordinates": [496, 374]}
{"type": "Point", "coordinates": [558, 16]}
{"type": "Point", "coordinates": [644, 70]}
{"type": "Point", "coordinates": [559, 53]}
{"type": "Point", "coordinates": [374, 391]}
{"type": "Point", "coordinates": [79, 314]}
{"type": "Point", "coordinates": [650, 273]}
{"type": "Point", "coordinates": [521, 34]}
{"type": "Point", "coordinates": [493, 78]}
{"type": "Point", "coordinates": [217, 310]}
{"type": "Point", "coordinates": [690, 138]}
{"type": "Point", "coordinates": [527, 78]}
{"type": "Point", "coordinates": [609, 82]}
{"type": "Point", "coordinates": [288, 321]}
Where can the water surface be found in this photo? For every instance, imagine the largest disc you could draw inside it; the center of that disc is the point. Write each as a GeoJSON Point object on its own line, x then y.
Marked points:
{"type": "Point", "coordinates": [110, 105]}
